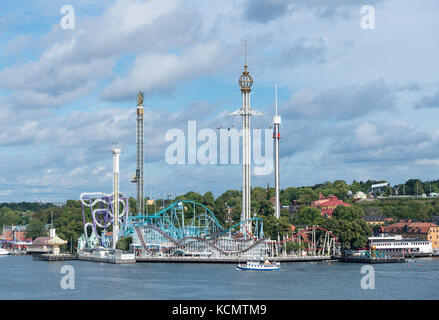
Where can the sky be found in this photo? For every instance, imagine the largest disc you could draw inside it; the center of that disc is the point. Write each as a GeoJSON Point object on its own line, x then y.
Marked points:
{"type": "Point", "coordinates": [356, 103]}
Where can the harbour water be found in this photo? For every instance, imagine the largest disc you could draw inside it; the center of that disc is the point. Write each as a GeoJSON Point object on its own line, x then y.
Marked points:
{"type": "Point", "coordinates": [23, 278]}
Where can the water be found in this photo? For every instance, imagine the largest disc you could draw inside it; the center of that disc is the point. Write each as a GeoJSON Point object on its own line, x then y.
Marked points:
{"type": "Point", "coordinates": [22, 278]}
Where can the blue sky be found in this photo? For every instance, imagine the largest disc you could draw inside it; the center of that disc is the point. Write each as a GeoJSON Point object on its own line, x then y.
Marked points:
{"type": "Point", "coordinates": [356, 104]}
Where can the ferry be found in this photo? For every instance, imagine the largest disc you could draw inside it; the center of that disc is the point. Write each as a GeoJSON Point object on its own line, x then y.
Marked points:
{"type": "Point", "coordinates": [3, 252]}
{"type": "Point", "coordinates": [259, 265]}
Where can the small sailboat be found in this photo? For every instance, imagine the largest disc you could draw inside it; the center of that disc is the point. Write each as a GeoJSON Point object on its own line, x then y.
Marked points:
{"type": "Point", "coordinates": [259, 265]}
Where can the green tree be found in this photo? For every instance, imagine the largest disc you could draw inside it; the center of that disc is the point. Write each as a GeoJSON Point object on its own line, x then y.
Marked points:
{"type": "Point", "coordinates": [9, 217]}
{"type": "Point", "coordinates": [306, 195]}
{"type": "Point", "coordinates": [308, 216]}
{"type": "Point", "coordinates": [351, 234]}
{"type": "Point", "coordinates": [348, 213]}
{"type": "Point", "coordinates": [124, 243]}
{"type": "Point", "coordinates": [35, 229]}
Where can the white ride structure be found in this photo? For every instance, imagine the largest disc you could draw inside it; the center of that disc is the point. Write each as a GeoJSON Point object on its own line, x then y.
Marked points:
{"type": "Point", "coordinates": [245, 82]}
{"type": "Point", "coordinates": [276, 137]}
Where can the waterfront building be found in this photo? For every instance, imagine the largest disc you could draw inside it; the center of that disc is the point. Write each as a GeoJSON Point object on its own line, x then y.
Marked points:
{"type": "Point", "coordinates": [418, 230]}
{"type": "Point", "coordinates": [17, 233]}
{"type": "Point", "coordinates": [107, 240]}
{"type": "Point", "coordinates": [14, 238]}
{"type": "Point", "coordinates": [91, 242]}
{"type": "Point", "coordinates": [397, 243]}
{"type": "Point", "coordinates": [327, 205]}
{"type": "Point", "coordinates": [46, 244]}
{"type": "Point", "coordinates": [39, 245]}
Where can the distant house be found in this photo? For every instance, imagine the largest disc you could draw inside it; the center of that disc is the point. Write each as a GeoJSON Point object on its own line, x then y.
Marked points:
{"type": "Point", "coordinates": [273, 201]}
{"type": "Point", "coordinates": [327, 205]}
{"type": "Point", "coordinates": [418, 230]}
{"type": "Point", "coordinates": [360, 195]}
{"type": "Point", "coordinates": [376, 221]}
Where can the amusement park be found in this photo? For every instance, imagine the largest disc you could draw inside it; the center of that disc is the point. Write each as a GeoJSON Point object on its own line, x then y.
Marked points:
{"type": "Point", "coordinates": [189, 230]}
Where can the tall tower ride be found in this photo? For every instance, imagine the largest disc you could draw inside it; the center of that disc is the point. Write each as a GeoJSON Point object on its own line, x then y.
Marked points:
{"type": "Point", "coordinates": [140, 150]}
{"type": "Point", "coordinates": [276, 137]}
{"type": "Point", "coordinates": [245, 82]}
{"type": "Point", "coordinates": [116, 226]}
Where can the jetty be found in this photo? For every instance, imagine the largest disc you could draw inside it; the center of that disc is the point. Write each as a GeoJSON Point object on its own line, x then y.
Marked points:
{"type": "Point", "coordinates": [372, 260]}
{"type": "Point", "coordinates": [107, 256]}
{"type": "Point", "coordinates": [54, 257]}
{"type": "Point", "coordinates": [234, 260]}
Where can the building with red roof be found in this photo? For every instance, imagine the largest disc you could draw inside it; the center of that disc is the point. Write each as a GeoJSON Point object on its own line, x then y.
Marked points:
{"type": "Point", "coordinates": [327, 205]}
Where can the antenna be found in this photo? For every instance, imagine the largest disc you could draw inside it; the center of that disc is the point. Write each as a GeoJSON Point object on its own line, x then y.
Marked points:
{"type": "Point", "coordinates": [245, 53]}
{"type": "Point", "coordinates": [275, 94]}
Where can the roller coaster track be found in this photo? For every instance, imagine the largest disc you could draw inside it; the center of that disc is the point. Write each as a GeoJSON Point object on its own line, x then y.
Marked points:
{"type": "Point", "coordinates": [182, 243]}
{"type": "Point", "coordinates": [142, 241]}
{"type": "Point", "coordinates": [306, 230]}
{"type": "Point", "coordinates": [175, 206]}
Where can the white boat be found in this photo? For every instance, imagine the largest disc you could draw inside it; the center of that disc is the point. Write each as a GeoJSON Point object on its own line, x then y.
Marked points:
{"type": "Point", "coordinates": [3, 252]}
{"type": "Point", "coordinates": [259, 265]}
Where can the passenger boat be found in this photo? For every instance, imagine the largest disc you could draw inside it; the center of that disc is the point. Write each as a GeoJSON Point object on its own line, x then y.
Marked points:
{"type": "Point", "coordinates": [3, 252]}
{"type": "Point", "coordinates": [259, 265]}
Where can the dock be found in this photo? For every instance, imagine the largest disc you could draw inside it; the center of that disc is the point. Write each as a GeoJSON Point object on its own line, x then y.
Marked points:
{"type": "Point", "coordinates": [182, 259]}
{"type": "Point", "coordinates": [109, 259]}
{"type": "Point", "coordinates": [371, 260]}
{"type": "Point", "coordinates": [54, 257]}
{"type": "Point", "coordinates": [107, 256]}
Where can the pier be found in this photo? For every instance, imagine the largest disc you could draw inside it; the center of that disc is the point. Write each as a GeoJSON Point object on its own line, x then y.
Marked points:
{"type": "Point", "coordinates": [107, 256]}
{"type": "Point", "coordinates": [372, 260]}
{"type": "Point", "coordinates": [54, 257]}
{"type": "Point", "coordinates": [109, 259]}
{"type": "Point", "coordinates": [178, 259]}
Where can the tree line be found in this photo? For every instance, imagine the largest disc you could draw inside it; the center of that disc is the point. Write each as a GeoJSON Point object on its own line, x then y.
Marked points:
{"type": "Point", "coordinates": [347, 223]}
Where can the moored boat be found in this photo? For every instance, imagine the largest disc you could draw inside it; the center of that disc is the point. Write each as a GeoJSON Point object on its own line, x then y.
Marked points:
{"type": "Point", "coordinates": [3, 252]}
{"type": "Point", "coordinates": [259, 265]}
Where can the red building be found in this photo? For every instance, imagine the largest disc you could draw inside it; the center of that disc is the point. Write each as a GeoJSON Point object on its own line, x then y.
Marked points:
{"type": "Point", "coordinates": [17, 233]}
{"type": "Point", "coordinates": [327, 205]}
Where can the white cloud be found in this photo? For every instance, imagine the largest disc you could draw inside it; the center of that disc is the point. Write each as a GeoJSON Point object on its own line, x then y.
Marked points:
{"type": "Point", "coordinates": [162, 72]}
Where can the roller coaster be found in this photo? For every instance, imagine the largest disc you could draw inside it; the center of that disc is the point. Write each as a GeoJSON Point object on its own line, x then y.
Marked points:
{"type": "Point", "coordinates": [190, 228]}
{"type": "Point", "coordinates": [187, 228]}
{"type": "Point", "coordinates": [323, 242]}
{"type": "Point", "coordinates": [101, 208]}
